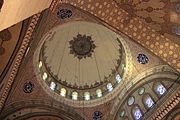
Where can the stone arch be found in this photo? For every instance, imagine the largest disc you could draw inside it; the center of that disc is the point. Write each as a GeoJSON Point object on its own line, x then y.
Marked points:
{"type": "Point", "coordinates": [27, 109]}
{"type": "Point", "coordinates": [170, 78]}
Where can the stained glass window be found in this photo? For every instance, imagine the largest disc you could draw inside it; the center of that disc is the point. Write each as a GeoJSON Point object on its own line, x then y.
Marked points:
{"type": "Point", "coordinates": [99, 93]}
{"type": "Point", "coordinates": [123, 67]}
{"type": "Point", "coordinates": [109, 87]}
{"type": "Point", "coordinates": [137, 114]}
{"type": "Point", "coordinates": [52, 85]}
{"type": "Point", "coordinates": [63, 92]}
{"type": "Point", "coordinates": [118, 78]}
{"type": "Point", "coordinates": [122, 113]}
{"type": "Point", "coordinates": [74, 95]}
{"type": "Point", "coordinates": [87, 96]}
{"type": "Point", "coordinates": [40, 64]}
{"type": "Point", "coordinates": [45, 75]}
{"type": "Point", "coordinates": [149, 102]}
{"type": "Point", "coordinates": [160, 89]}
{"type": "Point", "coordinates": [131, 100]}
{"type": "Point", "coordinates": [141, 91]}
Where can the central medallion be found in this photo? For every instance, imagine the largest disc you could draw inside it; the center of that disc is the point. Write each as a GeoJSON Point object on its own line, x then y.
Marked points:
{"type": "Point", "coordinates": [82, 46]}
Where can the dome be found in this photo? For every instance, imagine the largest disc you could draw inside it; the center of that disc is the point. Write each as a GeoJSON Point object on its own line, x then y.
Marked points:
{"type": "Point", "coordinates": [81, 61]}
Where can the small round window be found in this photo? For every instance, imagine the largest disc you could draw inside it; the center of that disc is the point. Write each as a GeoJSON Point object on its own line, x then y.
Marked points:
{"type": "Point", "coordinates": [131, 101]}
{"type": "Point", "coordinates": [141, 91]}
{"type": "Point", "coordinates": [122, 113]}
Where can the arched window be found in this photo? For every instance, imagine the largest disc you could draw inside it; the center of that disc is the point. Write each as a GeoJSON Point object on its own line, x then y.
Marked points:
{"type": "Point", "coordinates": [137, 114]}
{"type": "Point", "coordinates": [63, 92]}
{"type": "Point", "coordinates": [148, 101]}
{"type": "Point", "coordinates": [52, 85]}
{"type": "Point", "coordinates": [118, 78]}
{"type": "Point", "coordinates": [45, 75]}
{"type": "Point", "coordinates": [160, 89]}
{"type": "Point", "coordinates": [109, 87]}
{"type": "Point", "coordinates": [74, 95]}
{"type": "Point", "coordinates": [99, 93]}
{"type": "Point", "coordinates": [40, 64]}
{"type": "Point", "coordinates": [123, 67]}
{"type": "Point", "coordinates": [87, 96]}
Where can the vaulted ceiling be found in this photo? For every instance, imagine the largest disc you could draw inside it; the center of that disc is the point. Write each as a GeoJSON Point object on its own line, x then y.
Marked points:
{"type": "Point", "coordinates": [146, 28]}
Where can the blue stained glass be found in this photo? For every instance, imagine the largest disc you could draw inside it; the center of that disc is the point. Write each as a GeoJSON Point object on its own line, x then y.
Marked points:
{"type": "Point", "coordinates": [137, 114]}
{"type": "Point", "coordinates": [142, 58]}
{"type": "Point", "coordinates": [161, 89]}
{"type": "Point", "coordinates": [149, 102]}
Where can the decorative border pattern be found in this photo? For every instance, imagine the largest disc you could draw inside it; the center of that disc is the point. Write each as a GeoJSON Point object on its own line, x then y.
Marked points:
{"type": "Point", "coordinates": [163, 56]}
{"type": "Point", "coordinates": [45, 105]}
{"type": "Point", "coordinates": [18, 59]}
{"type": "Point", "coordinates": [174, 100]}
